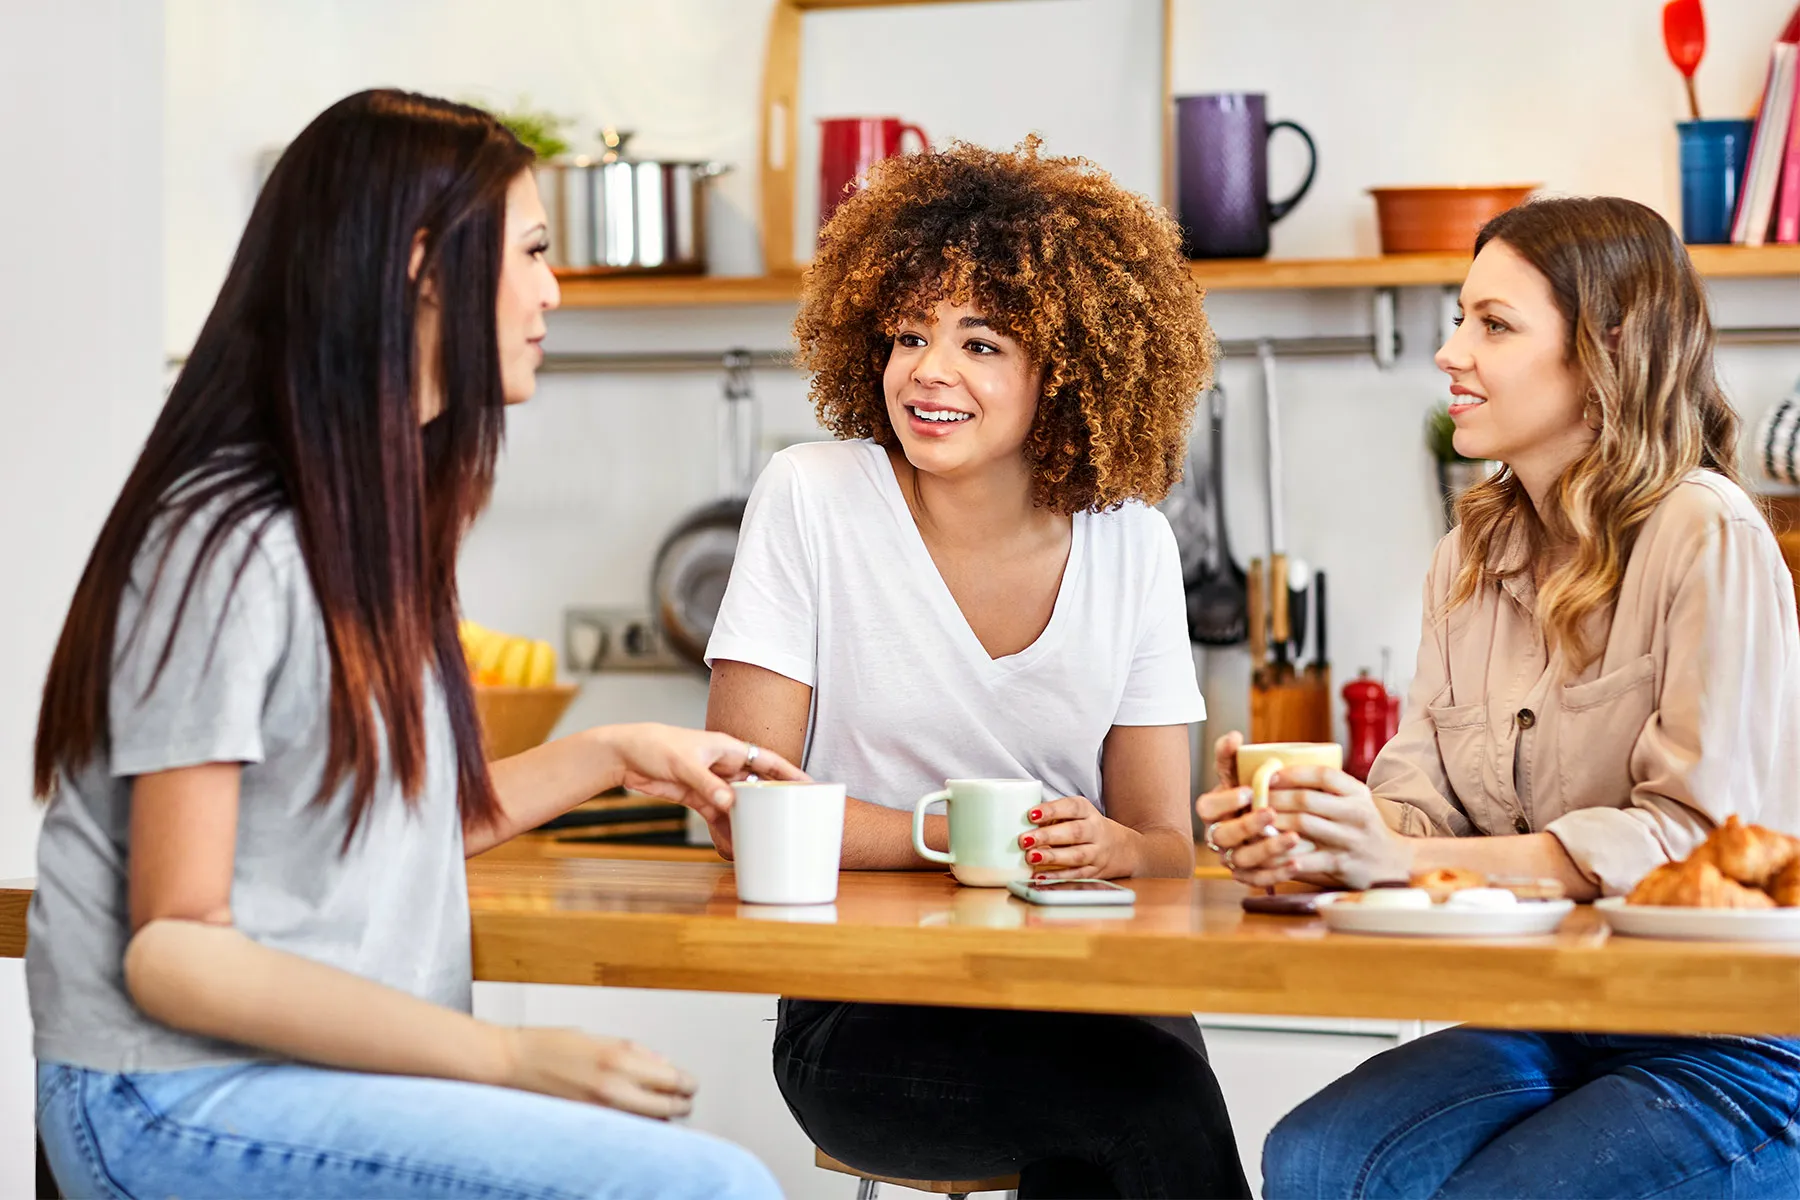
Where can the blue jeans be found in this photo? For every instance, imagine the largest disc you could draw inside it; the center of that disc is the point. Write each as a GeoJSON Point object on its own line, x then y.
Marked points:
{"type": "Point", "coordinates": [281, 1131]}
{"type": "Point", "coordinates": [1487, 1112]}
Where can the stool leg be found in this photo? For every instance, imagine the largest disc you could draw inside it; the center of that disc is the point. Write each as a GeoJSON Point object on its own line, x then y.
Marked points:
{"type": "Point", "coordinates": [867, 1189]}
{"type": "Point", "coordinates": [46, 1182]}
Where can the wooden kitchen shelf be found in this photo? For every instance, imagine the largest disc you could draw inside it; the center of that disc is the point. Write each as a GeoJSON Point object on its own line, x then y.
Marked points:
{"type": "Point", "coordinates": [672, 291]}
{"type": "Point", "coordinates": [1406, 270]}
{"type": "Point", "coordinates": [1224, 274]}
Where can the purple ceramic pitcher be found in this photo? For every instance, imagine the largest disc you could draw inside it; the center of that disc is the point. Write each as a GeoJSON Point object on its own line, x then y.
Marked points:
{"type": "Point", "coordinates": [1222, 174]}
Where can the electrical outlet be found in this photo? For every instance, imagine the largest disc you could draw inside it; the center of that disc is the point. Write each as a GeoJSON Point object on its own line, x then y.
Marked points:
{"type": "Point", "coordinates": [615, 639]}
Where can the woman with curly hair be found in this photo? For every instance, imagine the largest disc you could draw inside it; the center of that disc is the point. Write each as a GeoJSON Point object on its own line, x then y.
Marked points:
{"type": "Point", "coordinates": [1610, 668]}
{"type": "Point", "coordinates": [972, 584]}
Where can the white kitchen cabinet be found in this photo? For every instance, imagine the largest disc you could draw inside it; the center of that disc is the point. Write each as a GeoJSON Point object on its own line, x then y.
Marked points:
{"type": "Point", "coordinates": [1266, 1072]}
{"type": "Point", "coordinates": [1265, 1065]}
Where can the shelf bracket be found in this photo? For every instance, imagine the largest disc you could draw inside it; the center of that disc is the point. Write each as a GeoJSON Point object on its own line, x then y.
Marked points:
{"type": "Point", "coordinates": [1386, 327]}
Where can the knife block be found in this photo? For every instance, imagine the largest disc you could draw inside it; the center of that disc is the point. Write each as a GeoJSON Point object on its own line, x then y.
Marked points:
{"type": "Point", "coordinates": [1291, 707]}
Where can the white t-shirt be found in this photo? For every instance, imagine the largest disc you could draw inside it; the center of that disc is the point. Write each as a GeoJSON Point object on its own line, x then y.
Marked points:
{"type": "Point", "coordinates": [833, 587]}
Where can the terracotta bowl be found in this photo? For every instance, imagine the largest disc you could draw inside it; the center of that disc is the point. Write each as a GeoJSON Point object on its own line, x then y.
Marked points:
{"type": "Point", "coordinates": [514, 719]}
{"type": "Point", "coordinates": [1438, 219]}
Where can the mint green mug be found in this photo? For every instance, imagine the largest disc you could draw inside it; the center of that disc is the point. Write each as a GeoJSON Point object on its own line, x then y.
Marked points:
{"type": "Point", "coordinates": [986, 818]}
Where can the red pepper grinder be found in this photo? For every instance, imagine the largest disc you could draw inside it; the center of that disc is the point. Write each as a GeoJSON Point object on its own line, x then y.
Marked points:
{"type": "Point", "coordinates": [1366, 719]}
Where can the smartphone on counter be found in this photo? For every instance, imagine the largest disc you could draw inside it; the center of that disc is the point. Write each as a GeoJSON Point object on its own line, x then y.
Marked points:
{"type": "Point", "coordinates": [1071, 891]}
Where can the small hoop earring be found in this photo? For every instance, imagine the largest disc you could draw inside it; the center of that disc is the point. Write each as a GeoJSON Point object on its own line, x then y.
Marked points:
{"type": "Point", "coordinates": [1589, 407]}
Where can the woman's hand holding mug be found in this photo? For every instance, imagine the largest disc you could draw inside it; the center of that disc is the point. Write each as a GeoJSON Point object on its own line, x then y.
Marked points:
{"type": "Point", "coordinates": [1320, 825]}
{"type": "Point", "coordinates": [1075, 840]}
{"type": "Point", "coordinates": [693, 767]}
{"type": "Point", "coordinates": [1245, 838]}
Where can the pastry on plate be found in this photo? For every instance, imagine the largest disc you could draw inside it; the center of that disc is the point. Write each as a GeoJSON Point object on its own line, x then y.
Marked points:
{"type": "Point", "coordinates": [1695, 883]}
{"type": "Point", "coordinates": [1750, 854]}
{"type": "Point", "coordinates": [1784, 889]}
{"type": "Point", "coordinates": [1444, 882]}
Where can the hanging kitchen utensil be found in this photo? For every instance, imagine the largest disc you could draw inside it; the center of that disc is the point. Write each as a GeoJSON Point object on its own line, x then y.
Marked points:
{"type": "Point", "coordinates": [1777, 442]}
{"type": "Point", "coordinates": [1320, 663]}
{"type": "Point", "coordinates": [1684, 35]}
{"type": "Point", "coordinates": [1299, 584]}
{"type": "Point", "coordinates": [693, 564]}
{"type": "Point", "coordinates": [1278, 583]}
{"type": "Point", "coordinates": [1257, 615]}
{"type": "Point", "coordinates": [1187, 507]}
{"type": "Point", "coordinates": [1217, 604]}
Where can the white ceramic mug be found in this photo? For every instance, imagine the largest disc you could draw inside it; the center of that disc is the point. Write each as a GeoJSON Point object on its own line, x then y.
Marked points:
{"type": "Point", "coordinates": [786, 840]}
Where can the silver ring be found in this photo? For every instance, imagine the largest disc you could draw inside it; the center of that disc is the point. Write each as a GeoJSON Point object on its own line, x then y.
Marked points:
{"type": "Point", "coordinates": [1210, 843]}
{"type": "Point", "coordinates": [1225, 857]}
{"type": "Point", "coordinates": [750, 753]}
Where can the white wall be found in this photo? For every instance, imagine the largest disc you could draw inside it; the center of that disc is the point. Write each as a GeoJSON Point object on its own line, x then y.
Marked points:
{"type": "Point", "coordinates": [80, 349]}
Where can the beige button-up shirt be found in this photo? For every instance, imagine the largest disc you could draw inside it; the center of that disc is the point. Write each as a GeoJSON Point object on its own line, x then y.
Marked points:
{"type": "Point", "coordinates": [1691, 712]}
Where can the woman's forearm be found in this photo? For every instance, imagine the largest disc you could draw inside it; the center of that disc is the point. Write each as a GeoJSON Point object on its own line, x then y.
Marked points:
{"type": "Point", "coordinates": [545, 782]}
{"type": "Point", "coordinates": [1165, 852]}
{"type": "Point", "coordinates": [1536, 855]}
{"type": "Point", "coordinates": [878, 838]}
{"type": "Point", "coordinates": [213, 981]}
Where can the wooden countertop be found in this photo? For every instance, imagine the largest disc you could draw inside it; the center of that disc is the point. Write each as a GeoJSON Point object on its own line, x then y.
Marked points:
{"type": "Point", "coordinates": [916, 937]}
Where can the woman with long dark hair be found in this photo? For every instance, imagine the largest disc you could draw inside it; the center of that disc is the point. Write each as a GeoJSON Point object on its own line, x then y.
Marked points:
{"type": "Point", "coordinates": [1610, 669]}
{"type": "Point", "coordinates": [249, 954]}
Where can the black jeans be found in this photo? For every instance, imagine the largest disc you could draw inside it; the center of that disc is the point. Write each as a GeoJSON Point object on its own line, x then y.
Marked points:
{"type": "Point", "coordinates": [1079, 1104]}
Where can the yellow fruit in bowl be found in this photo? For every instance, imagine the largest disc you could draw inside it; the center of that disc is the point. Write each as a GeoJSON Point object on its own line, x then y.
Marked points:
{"type": "Point", "coordinates": [500, 660]}
{"type": "Point", "coordinates": [517, 697]}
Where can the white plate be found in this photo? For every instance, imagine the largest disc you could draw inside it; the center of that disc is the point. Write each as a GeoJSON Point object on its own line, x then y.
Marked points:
{"type": "Point", "coordinates": [1528, 918]}
{"type": "Point", "coordinates": [1700, 924]}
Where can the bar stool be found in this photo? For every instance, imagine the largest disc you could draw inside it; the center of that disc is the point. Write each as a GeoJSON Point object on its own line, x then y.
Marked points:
{"type": "Point", "coordinates": [869, 1186]}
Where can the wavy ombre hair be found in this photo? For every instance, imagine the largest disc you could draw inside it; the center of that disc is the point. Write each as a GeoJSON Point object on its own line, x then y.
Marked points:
{"type": "Point", "coordinates": [299, 398]}
{"type": "Point", "coordinates": [1640, 333]}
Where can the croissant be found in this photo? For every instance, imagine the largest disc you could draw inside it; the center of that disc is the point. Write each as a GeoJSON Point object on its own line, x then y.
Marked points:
{"type": "Point", "coordinates": [1695, 883]}
{"type": "Point", "coordinates": [1441, 882]}
{"type": "Point", "coordinates": [1750, 854]}
{"type": "Point", "coordinates": [1784, 889]}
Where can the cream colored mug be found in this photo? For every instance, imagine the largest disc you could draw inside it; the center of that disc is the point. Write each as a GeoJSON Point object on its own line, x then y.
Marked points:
{"type": "Point", "coordinates": [1258, 763]}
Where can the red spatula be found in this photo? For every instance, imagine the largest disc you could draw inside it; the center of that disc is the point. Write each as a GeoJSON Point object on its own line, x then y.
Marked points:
{"type": "Point", "coordinates": [1684, 33]}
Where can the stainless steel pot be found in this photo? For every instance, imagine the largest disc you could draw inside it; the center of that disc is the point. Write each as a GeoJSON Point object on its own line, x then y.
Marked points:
{"type": "Point", "coordinates": [621, 214]}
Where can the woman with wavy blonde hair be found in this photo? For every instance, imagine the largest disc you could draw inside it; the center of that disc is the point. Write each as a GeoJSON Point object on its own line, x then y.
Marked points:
{"type": "Point", "coordinates": [970, 583]}
{"type": "Point", "coordinates": [1610, 668]}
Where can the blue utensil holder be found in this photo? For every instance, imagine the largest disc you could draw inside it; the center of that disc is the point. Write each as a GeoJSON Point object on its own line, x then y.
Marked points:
{"type": "Point", "coordinates": [1713, 154]}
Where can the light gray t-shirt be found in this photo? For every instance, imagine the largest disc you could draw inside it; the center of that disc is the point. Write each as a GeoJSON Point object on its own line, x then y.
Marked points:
{"type": "Point", "coordinates": [394, 908]}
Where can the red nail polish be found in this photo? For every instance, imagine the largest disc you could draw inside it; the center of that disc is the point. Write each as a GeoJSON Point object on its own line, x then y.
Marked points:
{"type": "Point", "coordinates": [1036, 813]}
{"type": "Point", "coordinates": [1029, 840]}
{"type": "Point", "coordinates": [1035, 857]}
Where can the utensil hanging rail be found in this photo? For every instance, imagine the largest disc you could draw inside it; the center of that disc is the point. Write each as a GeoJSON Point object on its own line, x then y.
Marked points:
{"type": "Point", "coordinates": [1364, 345]}
{"type": "Point", "coordinates": [1758, 335]}
{"type": "Point", "coordinates": [569, 363]}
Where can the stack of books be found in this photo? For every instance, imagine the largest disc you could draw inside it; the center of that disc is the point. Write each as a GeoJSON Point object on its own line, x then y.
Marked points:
{"type": "Point", "coordinates": [1769, 202]}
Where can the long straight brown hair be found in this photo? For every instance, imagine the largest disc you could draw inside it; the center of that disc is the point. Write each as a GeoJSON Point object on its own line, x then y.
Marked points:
{"type": "Point", "coordinates": [298, 398]}
{"type": "Point", "coordinates": [1640, 332]}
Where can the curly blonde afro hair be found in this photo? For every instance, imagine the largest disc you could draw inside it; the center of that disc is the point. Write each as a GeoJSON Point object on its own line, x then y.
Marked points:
{"type": "Point", "coordinates": [1088, 278]}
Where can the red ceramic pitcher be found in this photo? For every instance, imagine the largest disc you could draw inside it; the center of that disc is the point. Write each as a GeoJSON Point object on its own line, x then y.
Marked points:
{"type": "Point", "coordinates": [849, 146]}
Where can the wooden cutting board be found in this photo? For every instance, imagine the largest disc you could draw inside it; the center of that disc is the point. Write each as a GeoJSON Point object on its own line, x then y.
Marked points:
{"type": "Point", "coordinates": [1784, 513]}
